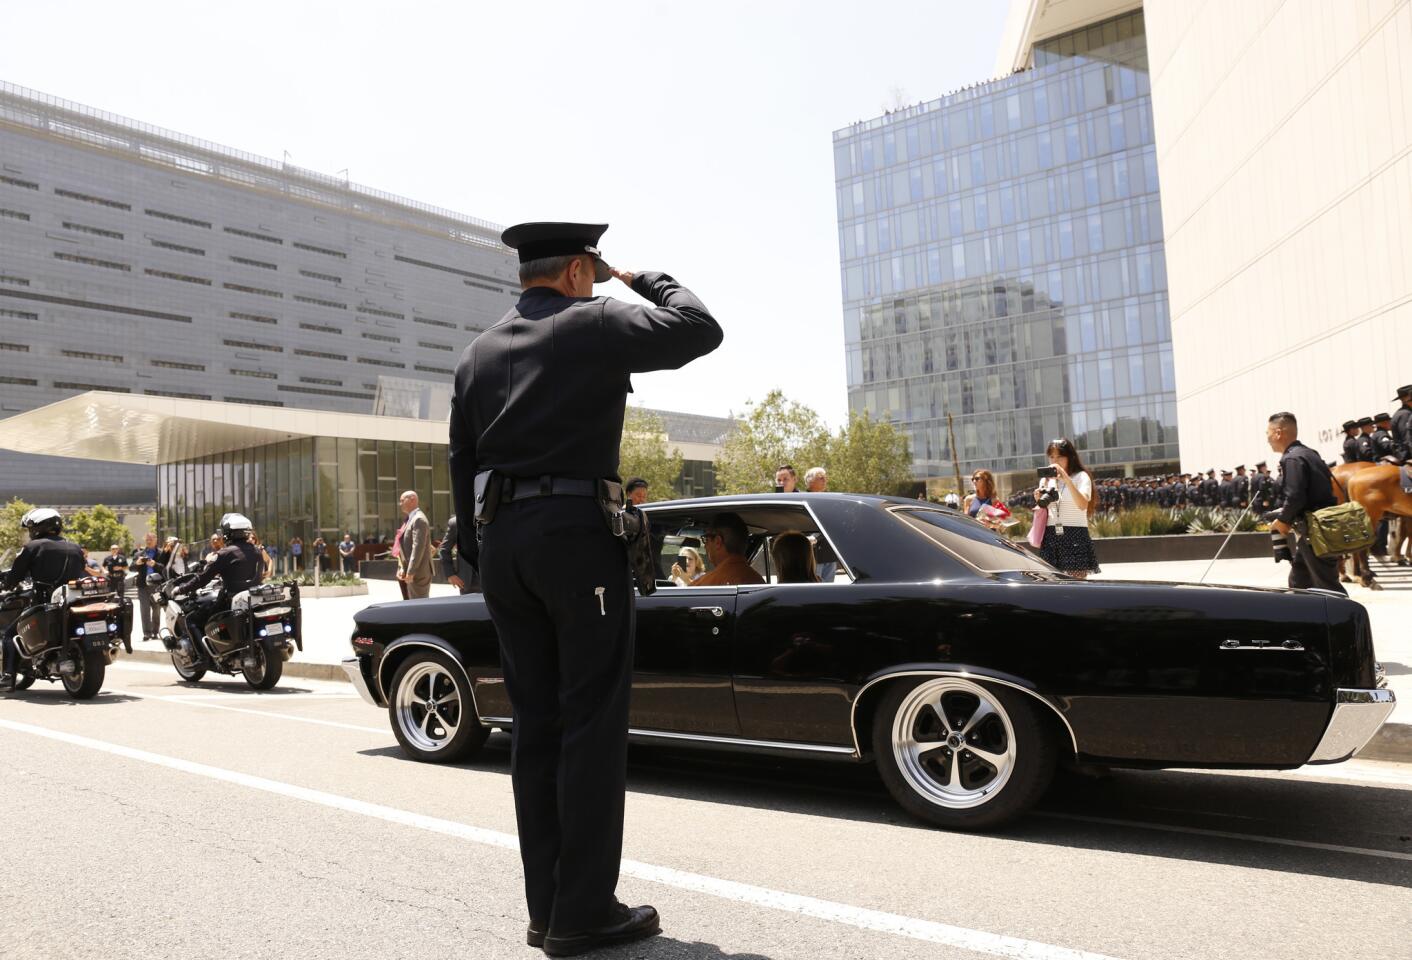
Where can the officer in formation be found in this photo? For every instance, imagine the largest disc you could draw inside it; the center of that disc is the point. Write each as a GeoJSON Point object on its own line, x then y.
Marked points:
{"type": "Point", "coordinates": [1350, 441]}
{"type": "Point", "coordinates": [536, 422]}
{"type": "Point", "coordinates": [1387, 448]}
{"type": "Point", "coordinates": [1401, 421]}
{"type": "Point", "coordinates": [49, 561]}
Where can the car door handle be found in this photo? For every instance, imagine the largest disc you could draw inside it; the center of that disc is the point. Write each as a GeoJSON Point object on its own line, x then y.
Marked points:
{"type": "Point", "coordinates": [708, 611]}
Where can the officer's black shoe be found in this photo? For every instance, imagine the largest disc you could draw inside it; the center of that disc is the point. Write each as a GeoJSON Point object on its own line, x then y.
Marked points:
{"type": "Point", "coordinates": [628, 924]}
{"type": "Point", "coordinates": [534, 933]}
{"type": "Point", "coordinates": [7, 682]}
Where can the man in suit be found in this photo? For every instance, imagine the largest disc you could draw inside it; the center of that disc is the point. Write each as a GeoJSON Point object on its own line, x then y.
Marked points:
{"type": "Point", "coordinates": [414, 553]}
{"type": "Point", "coordinates": [457, 569]}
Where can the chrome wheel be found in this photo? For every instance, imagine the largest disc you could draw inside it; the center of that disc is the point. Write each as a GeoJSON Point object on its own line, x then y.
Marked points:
{"type": "Point", "coordinates": [428, 706]}
{"type": "Point", "coordinates": [953, 743]}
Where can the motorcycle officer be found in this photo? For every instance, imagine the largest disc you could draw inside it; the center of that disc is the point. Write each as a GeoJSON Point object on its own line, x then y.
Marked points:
{"type": "Point", "coordinates": [47, 559]}
{"type": "Point", "coordinates": [239, 566]}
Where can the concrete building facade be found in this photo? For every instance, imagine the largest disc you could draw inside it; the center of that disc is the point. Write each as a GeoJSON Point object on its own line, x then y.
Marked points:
{"type": "Point", "coordinates": [140, 261]}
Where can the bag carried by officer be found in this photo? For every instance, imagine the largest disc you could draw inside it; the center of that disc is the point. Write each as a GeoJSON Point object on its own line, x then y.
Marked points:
{"type": "Point", "coordinates": [1339, 530]}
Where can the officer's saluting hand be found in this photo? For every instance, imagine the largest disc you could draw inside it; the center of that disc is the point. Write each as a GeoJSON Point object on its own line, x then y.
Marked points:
{"type": "Point", "coordinates": [536, 422]}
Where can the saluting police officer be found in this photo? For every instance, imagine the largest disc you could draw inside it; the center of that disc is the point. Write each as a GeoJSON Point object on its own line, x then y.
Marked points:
{"type": "Point", "coordinates": [537, 417]}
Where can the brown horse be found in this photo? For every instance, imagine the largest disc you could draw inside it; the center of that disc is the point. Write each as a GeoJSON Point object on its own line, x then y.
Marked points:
{"type": "Point", "coordinates": [1379, 489]}
{"type": "Point", "coordinates": [1357, 563]}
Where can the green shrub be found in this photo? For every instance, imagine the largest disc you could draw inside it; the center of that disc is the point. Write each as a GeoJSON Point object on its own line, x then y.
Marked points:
{"type": "Point", "coordinates": [306, 579]}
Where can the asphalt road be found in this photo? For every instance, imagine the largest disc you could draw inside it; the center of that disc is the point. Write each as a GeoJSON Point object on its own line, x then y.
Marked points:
{"type": "Point", "coordinates": [164, 820]}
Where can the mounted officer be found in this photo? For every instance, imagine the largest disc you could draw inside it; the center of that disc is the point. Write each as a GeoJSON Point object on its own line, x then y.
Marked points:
{"type": "Point", "coordinates": [536, 422]}
{"type": "Point", "coordinates": [1350, 441]}
{"type": "Point", "coordinates": [1385, 445]}
{"type": "Point", "coordinates": [1366, 451]}
{"type": "Point", "coordinates": [49, 561]}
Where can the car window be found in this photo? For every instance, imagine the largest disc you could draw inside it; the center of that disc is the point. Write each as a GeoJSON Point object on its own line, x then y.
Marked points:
{"type": "Point", "coordinates": [980, 547]}
{"type": "Point", "coordinates": [675, 532]}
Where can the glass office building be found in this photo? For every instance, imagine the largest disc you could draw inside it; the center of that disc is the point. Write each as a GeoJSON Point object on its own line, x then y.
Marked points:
{"type": "Point", "coordinates": [1002, 263]}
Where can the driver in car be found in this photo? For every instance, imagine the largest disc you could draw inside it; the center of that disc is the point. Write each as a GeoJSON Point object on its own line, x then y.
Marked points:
{"type": "Point", "coordinates": [726, 540]}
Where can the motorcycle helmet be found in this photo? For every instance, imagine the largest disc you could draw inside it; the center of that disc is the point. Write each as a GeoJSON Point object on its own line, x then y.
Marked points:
{"type": "Point", "coordinates": [43, 522]}
{"type": "Point", "coordinates": [236, 526]}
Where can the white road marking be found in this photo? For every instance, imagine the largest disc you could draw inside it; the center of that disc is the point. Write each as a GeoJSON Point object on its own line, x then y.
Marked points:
{"type": "Point", "coordinates": [1226, 835]}
{"type": "Point", "coordinates": [924, 930]}
{"type": "Point", "coordinates": [191, 702]}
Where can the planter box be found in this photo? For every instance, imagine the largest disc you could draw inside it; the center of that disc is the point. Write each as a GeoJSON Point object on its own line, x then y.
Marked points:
{"type": "Point", "coordinates": [1182, 546]}
{"type": "Point", "coordinates": [387, 570]}
{"type": "Point", "coordinates": [315, 593]}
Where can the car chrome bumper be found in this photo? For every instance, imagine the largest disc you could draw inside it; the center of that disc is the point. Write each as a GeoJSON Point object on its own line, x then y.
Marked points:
{"type": "Point", "coordinates": [354, 668]}
{"type": "Point", "coordinates": [1358, 715]}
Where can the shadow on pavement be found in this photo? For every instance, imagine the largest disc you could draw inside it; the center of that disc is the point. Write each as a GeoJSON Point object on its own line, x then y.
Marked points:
{"type": "Point", "coordinates": [668, 948]}
{"type": "Point", "coordinates": [56, 697]}
{"type": "Point", "coordinates": [1343, 814]}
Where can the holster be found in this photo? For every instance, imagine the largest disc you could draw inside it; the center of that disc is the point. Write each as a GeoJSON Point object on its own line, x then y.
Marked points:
{"type": "Point", "coordinates": [629, 523]}
{"type": "Point", "coordinates": [489, 485]}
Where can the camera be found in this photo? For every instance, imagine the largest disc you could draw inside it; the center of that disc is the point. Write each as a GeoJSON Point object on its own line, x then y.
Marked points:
{"type": "Point", "coordinates": [779, 488]}
{"type": "Point", "coordinates": [1046, 497]}
{"type": "Point", "coordinates": [1046, 473]}
{"type": "Point", "coordinates": [1280, 544]}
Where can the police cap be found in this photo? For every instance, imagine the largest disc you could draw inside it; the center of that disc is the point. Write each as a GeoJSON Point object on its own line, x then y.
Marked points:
{"type": "Point", "coordinates": [1365, 421]}
{"type": "Point", "coordinates": [536, 241]}
{"type": "Point", "coordinates": [1350, 424]}
{"type": "Point", "coordinates": [1260, 464]}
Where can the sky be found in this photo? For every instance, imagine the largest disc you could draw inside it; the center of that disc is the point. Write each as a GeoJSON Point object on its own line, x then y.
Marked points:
{"type": "Point", "coordinates": [702, 132]}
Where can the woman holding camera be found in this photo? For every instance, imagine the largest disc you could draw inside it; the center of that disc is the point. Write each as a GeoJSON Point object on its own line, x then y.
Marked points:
{"type": "Point", "coordinates": [1067, 491]}
{"type": "Point", "coordinates": [694, 567]}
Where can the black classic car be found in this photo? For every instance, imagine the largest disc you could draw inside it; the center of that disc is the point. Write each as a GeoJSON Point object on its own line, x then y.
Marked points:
{"type": "Point", "coordinates": [962, 665]}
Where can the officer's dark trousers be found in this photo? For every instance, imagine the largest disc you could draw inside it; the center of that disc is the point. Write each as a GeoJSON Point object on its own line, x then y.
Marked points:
{"type": "Point", "coordinates": [568, 671]}
{"type": "Point", "coordinates": [1310, 570]}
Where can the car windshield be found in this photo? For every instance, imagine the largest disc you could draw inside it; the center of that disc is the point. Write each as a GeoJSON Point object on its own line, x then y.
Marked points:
{"type": "Point", "coordinates": [972, 542]}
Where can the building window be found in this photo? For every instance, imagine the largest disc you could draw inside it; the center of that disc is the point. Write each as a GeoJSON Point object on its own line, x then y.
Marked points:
{"type": "Point", "coordinates": [89, 198]}
{"type": "Point", "coordinates": [184, 278]}
{"type": "Point", "coordinates": [426, 369]}
{"type": "Point", "coordinates": [255, 403]}
{"type": "Point", "coordinates": [375, 362]}
{"type": "Point", "coordinates": [382, 337]}
{"type": "Point", "coordinates": [254, 263]}
{"type": "Point", "coordinates": [252, 235]}
{"type": "Point", "coordinates": [96, 231]}
{"type": "Point", "coordinates": [325, 393]}
{"type": "Point", "coordinates": [14, 214]}
{"type": "Point", "coordinates": [16, 347]}
{"type": "Point", "coordinates": [324, 250]}
{"type": "Point", "coordinates": [435, 346]}
{"type": "Point", "coordinates": [382, 313]}
{"type": "Point", "coordinates": [92, 305]}
{"type": "Point", "coordinates": [253, 345]}
{"type": "Point", "coordinates": [258, 318]}
{"type": "Point", "coordinates": [320, 276]}
{"type": "Point", "coordinates": [257, 290]}
{"type": "Point", "coordinates": [446, 269]}
{"type": "Point", "coordinates": [19, 314]}
{"type": "Point", "coordinates": [321, 355]}
{"type": "Point", "coordinates": [322, 303]}
{"type": "Point", "coordinates": [434, 323]}
{"type": "Point", "coordinates": [16, 182]}
{"type": "Point", "coordinates": [93, 262]}
{"type": "Point", "coordinates": [319, 328]}
{"type": "Point", "coordinates": [258, 374]}
{"type": "Point", "coordinates": [178, 365]}
{"type": "Point", "coordinates": [85, 355]}
{"type": "Point", "coordinates": [14, 281]}
{"type": "Point", "coordinates": [177, 218]}
{"type": "Point", "coordinates": [72, 385]}
{"type": "Point", "coordinates": [324, 380]}
{"type": "Point", "coordinates": [21, 381]}
{"type": "Point", "coordinates": [177, 393]}
{"type": "Point", "coordinates": [483, 286]}
{"type": "Point", "coordinates": [178, 247]}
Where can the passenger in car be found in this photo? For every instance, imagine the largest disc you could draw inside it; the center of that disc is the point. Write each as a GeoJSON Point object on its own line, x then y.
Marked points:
{"type": "Point", "coordinates": [688, 567]}
{"type": "Point", "coordinates": [794, 558]}
{"type": "Point", "coordinates": [726, 540]}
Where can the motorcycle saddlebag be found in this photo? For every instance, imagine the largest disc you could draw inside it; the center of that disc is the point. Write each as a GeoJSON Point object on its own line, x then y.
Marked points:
{"type": "Point", "coordinates": [226, 631]}
{"type": "Point", "coordinates": [39, 628]}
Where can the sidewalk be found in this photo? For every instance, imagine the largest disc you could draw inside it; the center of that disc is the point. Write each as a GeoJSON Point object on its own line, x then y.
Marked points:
{"type": "Point", "coordinates": [1390, 611]}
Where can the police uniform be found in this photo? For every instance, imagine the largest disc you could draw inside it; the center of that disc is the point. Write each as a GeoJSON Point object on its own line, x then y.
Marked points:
{"type": "Point", "coordinates": [239, 566]}
{"type": "Point", "coordinates": [1308, 485]}
{"type": "Point", "coordinates": [539, 398]}
{"type": "Point", "coordinates": [1350, 441]}
{"type": "Point", "coordinates": [1386, 446]}
{"type": "Point", "coordinates": [1226, 494]}
{"type": "Point", "coordinates": [1242, 488]}
{"type": "Point", "coordinates": [1402, 418]}
{"type": "Point", "coordinates": [1366, 451]}
{"type": "Point", "coordinates": [453, 562]}
{"type": "Point", "coordinates": [49, 561]}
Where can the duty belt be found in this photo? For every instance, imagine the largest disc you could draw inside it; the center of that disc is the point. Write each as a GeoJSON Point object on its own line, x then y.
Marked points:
{"type": "Point", "coordinates": [522, 488]}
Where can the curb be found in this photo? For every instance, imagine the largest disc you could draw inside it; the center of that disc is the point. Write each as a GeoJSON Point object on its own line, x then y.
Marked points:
{"type": "Point", "coordinates": [1393, 742]}
{"type": "Point", "coordinates": [292, 668]}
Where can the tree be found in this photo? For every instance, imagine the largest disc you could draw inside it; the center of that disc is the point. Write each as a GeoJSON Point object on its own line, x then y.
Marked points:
{"type": "Point", "coordinates": [643, 453]}
{"type": "Point", "coordinates": [12, 535]}
{"type": "Point", "coordinates": [774, 432]}
{"type": "Point", "coordinates": [869, 456]}
{"type": "Point", "coordinates": [98, 529]}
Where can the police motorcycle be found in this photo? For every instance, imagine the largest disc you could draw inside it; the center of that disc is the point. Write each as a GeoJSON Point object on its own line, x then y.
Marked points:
{"type": "Point", "coordinates": [252, 634]}
{"type": "Point", "coordinates": [69, 632]}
